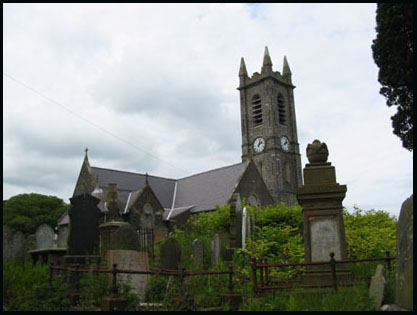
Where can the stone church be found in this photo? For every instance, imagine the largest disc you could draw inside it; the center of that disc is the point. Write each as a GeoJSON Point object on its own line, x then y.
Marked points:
{"type": "Point", "coordinates": [270, 171]}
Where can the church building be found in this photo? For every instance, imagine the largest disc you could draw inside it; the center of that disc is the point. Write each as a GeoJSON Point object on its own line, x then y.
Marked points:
{"type": "Point", "coordinates": [270, 171]}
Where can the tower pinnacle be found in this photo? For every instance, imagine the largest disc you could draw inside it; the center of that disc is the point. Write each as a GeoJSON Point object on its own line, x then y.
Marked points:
{"type": "Point", "coordinates": [242, 70]}
{"type": "Point", "coordinates": [267, 63]}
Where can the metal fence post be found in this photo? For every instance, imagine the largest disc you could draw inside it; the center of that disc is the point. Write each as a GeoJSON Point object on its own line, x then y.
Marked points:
{"type": "Point", "coordinates": [231, 278]}
{"type": "Point", "coordinates": [50, 274]}
{"type": "Point", "coordinates": [114, 278]}
{"type": "Point", "coordinates": [77, 278]}
{"type": "Point", "coordinates": [333, 267]}
{"type": "Point", "coordinates": [388, 260]}
{"type": "Point", "coordinates": [261, 271]}
{"type": "Point", "coordinates": [254, 281]}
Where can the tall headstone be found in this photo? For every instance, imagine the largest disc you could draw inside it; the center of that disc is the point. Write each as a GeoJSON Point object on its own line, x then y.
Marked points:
{"type": "Point", "coordinates": [84, 237]}
{"type": "Point", "coordinates": [198, 253]}
{"type": "Point", "coordinates": [377, 287]}
{"type": "Point", "coordinates": [13, 244]}
{"type": "Point", "coordinates": [44, 237]}
{"type": "Point", "coordinates": [245, 225]}
{"type": "Point", "coordinates": [215, 249]}
{"type": "Point", "coordinates": [324, 232]}
{"type": "Point", "coordinates": [170, 254]}
{"type": "Point", "coordinates": [131, 260]}
{"type": "Point", "coordinates": [404, 256]}
{"type": "Point", "coordinates": [62, 236]}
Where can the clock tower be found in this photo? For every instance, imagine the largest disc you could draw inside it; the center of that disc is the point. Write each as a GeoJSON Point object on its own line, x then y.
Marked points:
{"type": "Point", "coordinates": [269, 131]}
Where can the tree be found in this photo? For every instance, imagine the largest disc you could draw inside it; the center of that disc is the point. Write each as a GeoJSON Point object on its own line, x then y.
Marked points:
{"type": "Point", "coordinates": [393, 54]}
{"type": "Point", "coordinates": [25, 212]}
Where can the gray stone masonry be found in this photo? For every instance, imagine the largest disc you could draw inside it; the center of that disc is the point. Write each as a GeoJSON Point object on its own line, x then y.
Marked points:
{"type": "Point", "coordinates": [377, 287]}
{"type": "Point", "coordinates": [198, 253]}
{"type": "Point", "coordinates": [170, 254]}
{"type": "Point", "coordinates": [45, 237]}
{"type": "Point", "coordinates": [404, 256]}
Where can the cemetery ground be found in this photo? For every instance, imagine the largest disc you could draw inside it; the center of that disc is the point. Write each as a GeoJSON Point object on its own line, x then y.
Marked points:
{"type": "Point", "coordinates": [276, 236]}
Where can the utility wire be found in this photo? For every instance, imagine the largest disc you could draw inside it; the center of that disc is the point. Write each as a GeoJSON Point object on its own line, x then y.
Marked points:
{"type": "Point", "coordinates": [90, 122]}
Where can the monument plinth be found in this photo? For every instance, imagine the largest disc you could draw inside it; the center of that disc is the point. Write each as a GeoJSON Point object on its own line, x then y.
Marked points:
{"type": "Point", "coordinates": [324, 232]}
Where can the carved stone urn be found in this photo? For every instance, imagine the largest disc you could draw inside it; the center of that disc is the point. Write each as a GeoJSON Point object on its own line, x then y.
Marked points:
{"type": "Point", "coordinates": [317, 152]}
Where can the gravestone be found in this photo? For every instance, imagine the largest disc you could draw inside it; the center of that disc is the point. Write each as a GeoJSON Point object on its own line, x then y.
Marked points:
{"type": "Point", "coordinates": [324, 231]}
{"type": "Point", "coordinates": [170, 254]}
{"type": "Point", "coordinates": [84, 215]}
{"type": "Point", "coordinates": [62, 236]}
{"type": "Point", "coordinates": [44, 237]}
{"type": "Point", "coordinates": [404, 256]}
{"type": "Point", "coordinates": [198, 252]}
{"type": "Point", "coordinates": [246, 226]}
{"type": "Point", "coordinates": [215, 250]}
{"type": "Point", "coordinates": [126, 237]}
{"type": "Point", "coordinates": [236, 221]}
{"type": "Point", "coordinates": [377, 287]}
{"type": "Point", "coordinates": [13, 244]}
{"type": "Point", "coordinates": [131, 260]}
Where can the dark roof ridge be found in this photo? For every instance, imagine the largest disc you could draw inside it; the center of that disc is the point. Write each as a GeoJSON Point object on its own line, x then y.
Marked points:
{"type": "Point", "coordinates": [216, 169]}
{"type": "Point", "coordinates": [109, 169]}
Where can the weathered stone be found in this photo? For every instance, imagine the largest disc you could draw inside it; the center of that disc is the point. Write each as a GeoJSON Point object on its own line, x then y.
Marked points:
{"type": "Point", "coordinates": [391, 307]}
{"type": "Point", "coordinates": [377, 287]}
{"type": "Point", "coordinates": [131, 260]}
{"type": "Point", "coordinates": [13, 244]}
{"type": "Point", "coordinates": [215, 250]}
{"type": "Point", "coordinates": [45, 237]}
{"type": "Point", "coordinates": [198, 252]}
{"type": "Point", "coordinates": [84, 215]}
{"type": "Point", "coordinates": [170, 254]}
{"type": "Point", "coordinates": [125, 237]}
{"type": "Point", "coordinates": [404, 256]}
{"type": "Point", "coordinates": [235, 221]}
{"type": "Point", "coordinates": [324, 232]}
{"type": "Point", "coordinates": [62, 236]}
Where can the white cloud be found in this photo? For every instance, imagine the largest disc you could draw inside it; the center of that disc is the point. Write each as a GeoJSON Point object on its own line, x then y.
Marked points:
{"type": "Point", "coordinates": [163, 77]}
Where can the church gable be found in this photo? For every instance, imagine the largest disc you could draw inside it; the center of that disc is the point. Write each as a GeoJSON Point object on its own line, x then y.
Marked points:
{"type": "Point", "coordinates": [252, 187]}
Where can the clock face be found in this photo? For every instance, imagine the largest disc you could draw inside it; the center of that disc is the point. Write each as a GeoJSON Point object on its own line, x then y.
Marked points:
{"type": "Point", "coordinates": [259, 145]}
{"type": "Point", "coordinates": [285, 143]}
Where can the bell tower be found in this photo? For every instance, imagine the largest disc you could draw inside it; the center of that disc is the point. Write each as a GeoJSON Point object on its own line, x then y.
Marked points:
{"type": "Point", "coordinates": [269, 130]}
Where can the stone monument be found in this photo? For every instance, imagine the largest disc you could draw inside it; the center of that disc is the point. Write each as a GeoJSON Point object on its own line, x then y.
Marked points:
{"type": "Point", "coordinates": [198, 253]}
{"type": "Point", "coordinates": [324, 232]}
{"type": "Point", "coordinates": [45, 237]}
{"type": "Point", "coordinates": [83, 235]}
{"type": "Point", "coordinates": [404, 256]}
{"type": "Point", "coordinates": [170, 254]}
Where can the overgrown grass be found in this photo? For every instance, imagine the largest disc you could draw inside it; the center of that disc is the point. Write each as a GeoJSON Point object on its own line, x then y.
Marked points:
{"type": "Point", "coordinates": [26, 288]}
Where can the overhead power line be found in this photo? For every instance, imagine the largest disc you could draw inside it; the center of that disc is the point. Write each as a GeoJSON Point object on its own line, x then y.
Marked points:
{"type": "Point", "coordinates": [51, 100]}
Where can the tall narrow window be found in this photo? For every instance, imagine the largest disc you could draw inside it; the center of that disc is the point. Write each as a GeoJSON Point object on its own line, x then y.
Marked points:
{"type": "Point", "coordinates": [282, 117]}
{"type": "Point", "coordinates": [257, 110]}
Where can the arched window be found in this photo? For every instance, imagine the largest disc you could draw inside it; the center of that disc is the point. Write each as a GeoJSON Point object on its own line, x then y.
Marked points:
{"type": "Point", "coordinates": [256, 110]}
{"type": "Point", "coordinates": [282, 117]}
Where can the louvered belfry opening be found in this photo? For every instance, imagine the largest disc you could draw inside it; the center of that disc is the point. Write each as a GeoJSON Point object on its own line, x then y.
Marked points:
{"type": "Point", "coordinates": [281, 110]}
{"type": "Point", "coordinates": [257, 110]}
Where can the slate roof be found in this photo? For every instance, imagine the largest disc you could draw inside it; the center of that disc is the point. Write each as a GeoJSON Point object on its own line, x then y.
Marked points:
{"type": "Point", "coordinates": [208, 189]}
{"type": "Point", "coordinates": [203, 191]}
{"type": "Point", "coordinates": [128, 181]}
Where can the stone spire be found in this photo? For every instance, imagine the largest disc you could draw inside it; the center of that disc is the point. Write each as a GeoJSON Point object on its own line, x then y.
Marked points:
{"type": "Point", "coordinates": [267, 64]}
{"type": "Point", "coordinates": [286, 72]}
{"type": "Point", "coordinates": [243, 73]}
{"type": "Point", "coordinates": [242, 70]}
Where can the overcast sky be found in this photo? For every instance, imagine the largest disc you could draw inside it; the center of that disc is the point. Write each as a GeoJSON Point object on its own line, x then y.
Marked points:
{"type": "Point", "coordinates": [152, 88]}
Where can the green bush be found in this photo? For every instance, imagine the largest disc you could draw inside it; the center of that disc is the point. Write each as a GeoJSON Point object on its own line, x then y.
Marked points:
{"type": "Point", "coordinates": [26, 288]}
